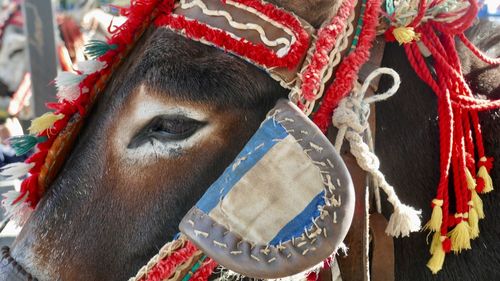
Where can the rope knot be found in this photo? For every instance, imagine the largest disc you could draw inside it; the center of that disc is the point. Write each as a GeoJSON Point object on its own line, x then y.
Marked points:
{"type": "Point", "coordinates": [352, 113]}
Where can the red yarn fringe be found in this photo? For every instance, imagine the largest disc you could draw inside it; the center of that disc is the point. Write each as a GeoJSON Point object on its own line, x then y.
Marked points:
{"type": "Point", "coordinates": [205, 271]}
{"type": "Point", "coordinates": [347, 72]}
{"type": "Point", "coordinates": [166, 267]}
{"type": "Point", "coordinates": [327, 38]}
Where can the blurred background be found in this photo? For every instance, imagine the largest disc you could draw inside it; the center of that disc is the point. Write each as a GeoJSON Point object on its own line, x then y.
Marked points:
{"type": "Point", "coordinates": [39, 38]}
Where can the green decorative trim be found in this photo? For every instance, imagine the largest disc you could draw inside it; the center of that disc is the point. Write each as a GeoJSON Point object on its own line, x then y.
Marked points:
{"type": "Point", "coordinates": [389, 7]}
{"type": "Point", "coordinates": [193, 269]}
{"type": "Point", "coordinates": [97, 48]}
{"type": "Point", "coordinates": [359, 26]}
{"type": "Point", "coordinates": [23, 144]}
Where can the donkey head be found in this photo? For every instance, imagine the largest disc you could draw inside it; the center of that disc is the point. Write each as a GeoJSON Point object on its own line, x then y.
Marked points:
{"type": "Point", "coordinates": [174, 116]}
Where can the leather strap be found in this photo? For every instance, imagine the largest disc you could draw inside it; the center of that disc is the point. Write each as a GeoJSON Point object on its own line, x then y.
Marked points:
{"type": "Point", "coordinates": [246, 24]}
{"type": "Point", "coordinates": [382, 262]}
{"type": "Point", "coordinates": [356, 265]}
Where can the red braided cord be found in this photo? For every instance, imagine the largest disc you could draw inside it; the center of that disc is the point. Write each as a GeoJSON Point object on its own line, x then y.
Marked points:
{"type": "Point", "coordinates": [453, 59]}
{"type": "Point", "coordinates": [420, 67]}
{"type": "Point", "coordinates": [456, 187]}
{"type": "Point", "coordinates": [477, 52]}
{"type": "Point", "coordinates": [473, 103]}
{"type": "Point", "coordinates": [452, 89]}
{"type": "Point", "coordinates": [469, 144]}
{"type": "Point", "coordinates": [448, 69]}
{"type": "Point", "coordinates": [448, 43]}
{"type": "Point", "coordinates": [445, 125]}
{"type": "Point", "coordinates": [461, 190]}
{"type": "Point", "coordinates": [461, 24]}
{"type": "Point", "coordinates": [433, 38]}
{"type": "Point", "coordinates": [422, 8]}
{"type": "Point", "coordinates": [346, 74]}
{"type": "Point", "coordinates": [446, 132]}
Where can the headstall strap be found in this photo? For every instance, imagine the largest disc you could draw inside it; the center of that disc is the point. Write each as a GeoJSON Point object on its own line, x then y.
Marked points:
{"type": "Point", "coordinates": [260, 33]}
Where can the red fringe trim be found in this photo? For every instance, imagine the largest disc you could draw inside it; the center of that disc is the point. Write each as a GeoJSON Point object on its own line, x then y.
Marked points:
{"type": "Point", "coordinates": [327, 38]}
{"type": "Point", "coordinates": [138, 13]}
{"type": "Point", "coordinates": [166, 267]}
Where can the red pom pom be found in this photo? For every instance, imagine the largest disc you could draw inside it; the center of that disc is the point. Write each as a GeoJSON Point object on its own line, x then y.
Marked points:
{"type": "Point", "coordinates": [488, 164]}
{"type": "Point", "coordinates": [480, 184]}
{"type": "Point", "coordinates": [446, 245]}
{"type": "Point", "coordinates": [389, 36]}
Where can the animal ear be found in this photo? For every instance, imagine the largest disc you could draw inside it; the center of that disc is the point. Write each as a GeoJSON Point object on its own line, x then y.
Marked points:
{"type": "Point", "coordinates": [283, 205]}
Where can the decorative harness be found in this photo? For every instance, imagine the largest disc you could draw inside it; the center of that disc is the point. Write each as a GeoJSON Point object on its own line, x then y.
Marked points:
{"type": "Point", "coordinates": [308, 62]}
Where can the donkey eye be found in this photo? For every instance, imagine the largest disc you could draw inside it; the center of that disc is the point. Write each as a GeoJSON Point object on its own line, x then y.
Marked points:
{"type": "Point", "coordinates": [166, 128]}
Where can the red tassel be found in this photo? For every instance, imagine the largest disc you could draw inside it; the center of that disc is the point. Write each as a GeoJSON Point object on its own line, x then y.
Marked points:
{"type": "Point", "coordinates": [389, 35]}
{"type": "Point", "coordinates": [480, 184]}
{"type": "Point", "coordinates": [446, 245]}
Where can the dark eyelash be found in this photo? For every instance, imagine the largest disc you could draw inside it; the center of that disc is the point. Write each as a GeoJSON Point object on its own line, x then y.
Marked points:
{"type": "Point", "coordinates": [166, 128]}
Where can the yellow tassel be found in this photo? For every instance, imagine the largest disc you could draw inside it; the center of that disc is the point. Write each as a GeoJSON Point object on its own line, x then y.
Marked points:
{"type": "Point", "coordinates": [405, 34]}
{"type": "Point", "coordinates": [478, 204]}
{"type": "Point", "coordinates": [488, 183]}
{"type": "Point", "coordinates": [473, 223]}
{"type": "Point", "coordinates": [434, 224]}
{"type": "Point", "coordinates": [436, 262]}
{"type": "Point", "coordinates": [460, 237]}
{"type": "Point", "coordinates": [44, 122]}
{"type": "Point", "coordinates": [471, 182]}
{"type": "Point", "coordinates": [436, 242]}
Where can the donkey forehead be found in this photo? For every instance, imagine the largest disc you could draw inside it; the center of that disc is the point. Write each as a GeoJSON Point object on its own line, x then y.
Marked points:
{"type": "Point", "coordinates": [188, 70]}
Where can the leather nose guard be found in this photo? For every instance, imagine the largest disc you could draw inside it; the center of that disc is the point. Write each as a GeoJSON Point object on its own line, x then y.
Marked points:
{"type": "Point", "coordinates": [283, 205]}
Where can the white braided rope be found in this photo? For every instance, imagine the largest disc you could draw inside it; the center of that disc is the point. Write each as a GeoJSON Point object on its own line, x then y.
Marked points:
{"type": "Point", "coordinates": [351, 118]}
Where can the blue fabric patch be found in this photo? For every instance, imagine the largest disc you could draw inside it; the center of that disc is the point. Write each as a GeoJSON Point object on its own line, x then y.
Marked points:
{"type": "Point", "coordinates": [261, 142]}
{"type": "Point", "coordinates": [296, 227]}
